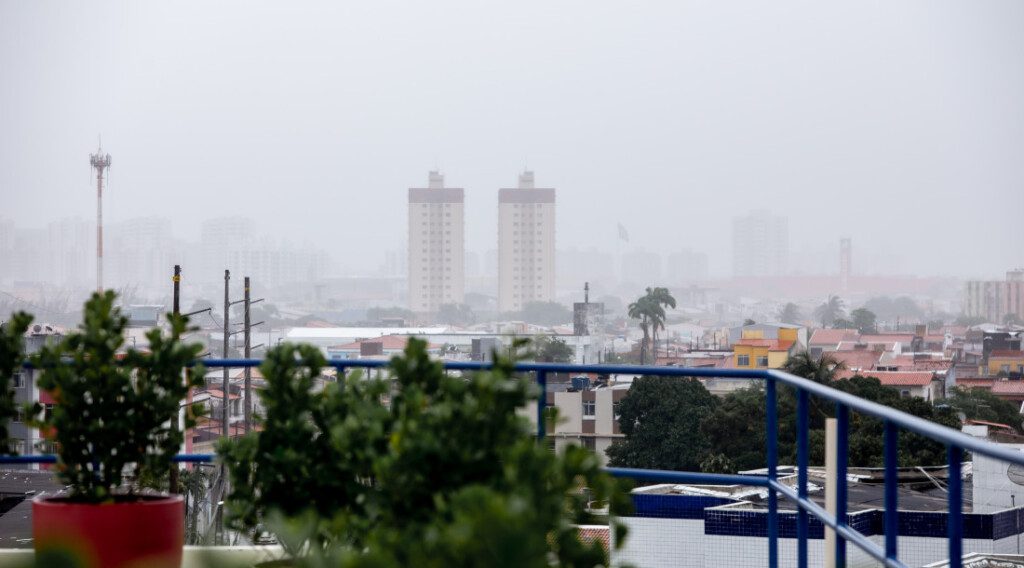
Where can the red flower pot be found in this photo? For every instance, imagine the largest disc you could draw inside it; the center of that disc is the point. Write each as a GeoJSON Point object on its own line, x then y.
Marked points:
{"type": "Point", "coordinates": [136, 532]}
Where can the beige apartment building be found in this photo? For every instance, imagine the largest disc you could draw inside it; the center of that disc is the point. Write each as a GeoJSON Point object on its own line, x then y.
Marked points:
{"type": "Point", "coordinates": [526, 244]}
{"type": "Point", "coordinates": [436, 245]}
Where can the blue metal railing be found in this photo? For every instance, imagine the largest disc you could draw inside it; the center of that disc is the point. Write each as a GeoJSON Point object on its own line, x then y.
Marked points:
{"type": "Point", "coordinates": [894, 421]}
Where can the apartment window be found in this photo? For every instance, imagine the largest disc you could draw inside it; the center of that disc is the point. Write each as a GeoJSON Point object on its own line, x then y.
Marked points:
{"type": "Point", "coordinates": [1004, 369]}
{"type": "Point", "coordinates": [589, 408]}
{"type": "Point", "coordinates": [762, 361]}
{"type": "Point", "coordinates": [590, 443]}
{"type": "Point", "coordinates": [743, 360]}
{"type": "Point", "coordinates": [905, 393]}
{"type": "Point", "coordinates": [19, 416]}
{"type": "Point", "coordinates": [19, 379]}
{"type": "Point", "coordinates": [615, 409]}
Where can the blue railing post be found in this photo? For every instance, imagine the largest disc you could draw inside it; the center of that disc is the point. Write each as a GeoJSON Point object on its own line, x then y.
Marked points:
{"type": "Point", "coordinates": [842, 451]}
{"type": "Point", "coordinates": [801, 466]}
{"type": "Point", "coordinates": [771, 413]}
{"type": "Point", "coordinates": [955, 525]}
{"type": "Point", "coordinates": [892, 514]}
{"type": "Point", "coordinates": [542, 403]}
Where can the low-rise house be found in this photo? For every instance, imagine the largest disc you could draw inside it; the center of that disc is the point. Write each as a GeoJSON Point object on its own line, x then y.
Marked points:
{"type": "Point", "coordinates": [828, 340]}
{"type": "Point", "coordinates": [922, 384]}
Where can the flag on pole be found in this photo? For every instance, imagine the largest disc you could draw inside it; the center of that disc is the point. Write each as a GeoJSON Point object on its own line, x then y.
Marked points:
{"type": "Point", "coordinates": [623, 234]}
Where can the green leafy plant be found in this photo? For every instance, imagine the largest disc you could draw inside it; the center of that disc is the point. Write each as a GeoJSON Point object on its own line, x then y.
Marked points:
{"type": "Point", "coordinates": [12, 353]}
{"type": "Point", "coordinates": [426, 470]}
{"type": "Point", "coordinates": [115, 409]}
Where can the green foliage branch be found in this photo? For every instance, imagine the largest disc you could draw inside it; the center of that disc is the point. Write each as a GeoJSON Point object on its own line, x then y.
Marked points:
{"type": "Point", "coordinates": [428, 470]}
{"type": "Point", "coordinates": [116, 410]}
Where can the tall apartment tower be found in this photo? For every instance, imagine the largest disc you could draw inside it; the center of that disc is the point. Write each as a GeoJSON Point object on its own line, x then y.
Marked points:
{"type": "Point", "coordinates": [760, 245]}
{"type": "Point", "coordinates": [526, 244]}
{"type": "Point", "coordinates": [845, 262]}
{"type": "Point", "coordinates": [436, 245]}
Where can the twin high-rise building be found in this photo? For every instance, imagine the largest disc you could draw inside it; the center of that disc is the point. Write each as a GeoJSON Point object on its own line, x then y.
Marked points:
{"type": "Point", "coordinates": [436, 245]}
{"type": "Point", "coordinates": [526, 245]}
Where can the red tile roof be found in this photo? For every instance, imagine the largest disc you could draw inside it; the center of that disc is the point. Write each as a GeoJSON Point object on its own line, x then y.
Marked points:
{"type": "Point", "coordinates": [858, 359]}
{"type": "Point", "coordinates": [884, 337]}
{"type": "Point", "coordinates": [894, 378]}
{"type": "Point", "coordinates": [1008, 388]}
{"type": "Point", "coordinates": [1006, 354]}
{"type": "Point", "coordinates": [833, 336]}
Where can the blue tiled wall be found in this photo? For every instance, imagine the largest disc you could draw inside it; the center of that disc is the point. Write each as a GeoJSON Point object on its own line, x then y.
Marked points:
{"type": "Point", "coordinates": [674, 506]}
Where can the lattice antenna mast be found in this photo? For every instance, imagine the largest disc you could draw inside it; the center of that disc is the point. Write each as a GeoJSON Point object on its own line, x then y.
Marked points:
{"type": "Point", "coordinates": [100, 162]}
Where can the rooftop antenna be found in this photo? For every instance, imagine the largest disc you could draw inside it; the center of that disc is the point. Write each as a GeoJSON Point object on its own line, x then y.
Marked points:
{"type": "Point", "coordinates": [101, 163]}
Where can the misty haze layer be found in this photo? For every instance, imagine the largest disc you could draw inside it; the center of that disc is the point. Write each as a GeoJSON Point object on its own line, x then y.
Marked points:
{"type": "Point", "coordinates": [899, 125]}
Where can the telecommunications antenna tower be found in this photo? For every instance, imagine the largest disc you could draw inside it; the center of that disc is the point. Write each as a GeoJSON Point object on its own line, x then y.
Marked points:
{"type": "Point", "coordinates": [101, 163]}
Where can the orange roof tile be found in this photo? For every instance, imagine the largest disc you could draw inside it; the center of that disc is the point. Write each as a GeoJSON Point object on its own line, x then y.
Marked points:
{"type": "Point", "coordinates": [893, 378]}
{"type": "Point", "coordinates": [853, 360]}
{"type": "Point", "coordinates": [833, 336]}
{"type": "Point", "coordinates": [1008, 387]}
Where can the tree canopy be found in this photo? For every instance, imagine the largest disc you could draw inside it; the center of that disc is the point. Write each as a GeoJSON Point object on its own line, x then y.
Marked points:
{"type": "Point", "coordinates": [833, 309]}
{"type": "Point", "coordinates": [661, 419]}
{"type": "Point", "coordinates": [650, 310]}
{"type": "Point", "coordinates": [864, 320]}
{"type": "Point", "coordinates": [552, 350]}
{"type": "Point", "coordinates": [543, 313]}
{"type": "Point", "coordinates": [790, 313]}
{"type": "Point", "coordinates": [981, 404]}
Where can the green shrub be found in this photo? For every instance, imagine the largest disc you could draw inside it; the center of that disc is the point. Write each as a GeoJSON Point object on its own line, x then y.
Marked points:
{"type": "Point", "coordinates": [115, 408]}
{"type": "Point", "coordinates": [432, 470]}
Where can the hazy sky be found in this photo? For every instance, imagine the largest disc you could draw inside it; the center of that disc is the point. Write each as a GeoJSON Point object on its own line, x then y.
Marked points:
{"type": "Point", "coordinates": [900, 124]}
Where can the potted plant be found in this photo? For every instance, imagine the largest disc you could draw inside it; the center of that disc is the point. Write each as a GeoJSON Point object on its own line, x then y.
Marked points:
{"type": "Point", "coordinates": [423, 469]}
{"type": "Point", "coordinates": [115, 425]}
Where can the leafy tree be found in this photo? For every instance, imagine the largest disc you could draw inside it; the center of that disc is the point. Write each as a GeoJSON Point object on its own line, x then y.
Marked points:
{"type": "Point", "coordinates": [447, 473]}
{"type": "Point", "coordinates": [843, 323]}
{"type": "Point", "coordinates": [111, 416]}
{"type": "Point", "coordinates": [661, 419]}
{"type": "Point", "coordinates": [456, 314]}
{"type": "Point", "coordinates": [553, 350]}
{"type": "Point", "coordinates": [790, 313]}
{"type": "Point", "coordinates": [864, 320]}
{"type": "Point", "coordinates": [737, 429]}
{"type": "Point", "coordinates": [749, 321]}
{"type": "Point", "coordinates": [981, 404]}
{"type": "Point", "coordinates": [543, 313]}
{"type": "Point", "coordinates": [832, 309]}
{"type": "Point", "coordinates": [12, 353]}
{"type": "Point", "coordinates": [891, 309]}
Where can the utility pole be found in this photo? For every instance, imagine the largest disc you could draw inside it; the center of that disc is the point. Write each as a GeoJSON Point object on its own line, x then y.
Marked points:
{"type": "Point", "coordinates": [176, 311]}
{"type": "Point", "coordinates": [227, 311]}
{"type": "Point", "coordinates": [248, 370]}
{"type": "Point", "coordinates": [247, 326]}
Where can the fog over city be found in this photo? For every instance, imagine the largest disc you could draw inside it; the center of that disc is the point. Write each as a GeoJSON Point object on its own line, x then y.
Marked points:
{"type": "Point", "coordinates": [896, 125]}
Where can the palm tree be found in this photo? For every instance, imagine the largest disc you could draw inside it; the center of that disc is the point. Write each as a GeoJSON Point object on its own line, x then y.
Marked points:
{"type": "Point", "coordinates": [831, 310]}
{"type": "Point", "coordinates": [818, 369]}
{"type": "Point", "coordinates": [662, 298]}
{"type": "Point", "coordinates": [650, 310]}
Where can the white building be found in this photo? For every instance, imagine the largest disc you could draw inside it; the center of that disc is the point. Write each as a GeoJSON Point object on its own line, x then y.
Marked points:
{"type": "Point", "coordinates": [526, 244]}
{"type": "Point", "coordinates": [760, 245]}
{"type": "Point", "coordinates": [436, 245]}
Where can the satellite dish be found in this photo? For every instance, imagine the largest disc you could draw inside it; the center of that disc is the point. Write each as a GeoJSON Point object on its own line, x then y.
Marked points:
{"type": "Point", "coordinates": [1016, 474]}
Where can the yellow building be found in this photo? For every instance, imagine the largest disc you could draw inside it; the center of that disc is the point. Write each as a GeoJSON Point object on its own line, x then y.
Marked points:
{"type": "Point", "coordinates": [1004, 363]}
{"type": "Point", "coordinates": [764, 346]}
